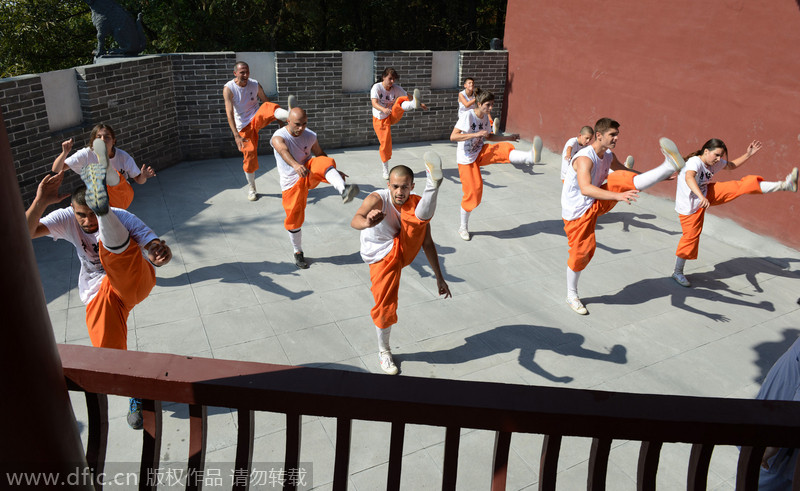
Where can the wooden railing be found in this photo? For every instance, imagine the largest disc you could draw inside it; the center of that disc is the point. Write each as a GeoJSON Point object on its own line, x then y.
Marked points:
{"type": "Point", "coordinates": [451, 404]}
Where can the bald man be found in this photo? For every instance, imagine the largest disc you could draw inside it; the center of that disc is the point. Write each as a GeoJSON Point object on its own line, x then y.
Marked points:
{"type": "Point", "coordinates": [294, 145]}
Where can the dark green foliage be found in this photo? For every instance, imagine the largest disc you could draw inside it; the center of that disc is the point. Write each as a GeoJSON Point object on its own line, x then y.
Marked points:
{"type": "Point", "coordinates": [43, 35]}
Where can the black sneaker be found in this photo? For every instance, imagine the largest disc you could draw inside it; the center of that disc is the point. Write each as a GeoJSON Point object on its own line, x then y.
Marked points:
{"type": "Point", "coordinates": [300, 261]}
{"type": "Point", "coordinates": [135, 414]}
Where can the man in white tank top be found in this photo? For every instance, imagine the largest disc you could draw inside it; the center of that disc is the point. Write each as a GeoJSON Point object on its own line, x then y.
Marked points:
{"type": "Point", "coordinates": [246, 118]}
{"type": "Point", "coordinates": [394, 225]}
{"type": "Point", "coordinates": [584, 196]}
{"type": "Point", "coordinates": [294, 146]}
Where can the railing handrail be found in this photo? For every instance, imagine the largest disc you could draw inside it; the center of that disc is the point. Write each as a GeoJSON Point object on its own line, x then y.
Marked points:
{"type": "Point", "coordinates": [437, 402]}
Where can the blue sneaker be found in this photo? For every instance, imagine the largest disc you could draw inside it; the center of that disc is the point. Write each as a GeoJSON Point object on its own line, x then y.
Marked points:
{"type": "Point", "coordinates": [135, 414]}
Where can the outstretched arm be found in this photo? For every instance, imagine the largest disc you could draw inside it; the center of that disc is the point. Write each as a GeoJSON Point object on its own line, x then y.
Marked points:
{"type": "Point", "coordinates": [146, 172]}
{"type": "Point", "coordinates": [58, 164]}
{"type": "Point", "coordinates": [752, 149]}
{"type": "Point", "coordinates": [46, 195]}
{"type": "Point", "coordinates": [433, 259]}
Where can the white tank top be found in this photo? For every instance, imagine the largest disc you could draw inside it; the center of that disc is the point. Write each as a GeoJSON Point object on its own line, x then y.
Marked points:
{"type": "Point", "coordinates": [573, 203]}
{"type": "Point", "coordinates": [462, 107]}
{"type": "Point", "coordinates": [299, 147]}
{"type": "Point", "coordinates": [245, 101]}
{"type": "Point", "coordinates": [377, 241]}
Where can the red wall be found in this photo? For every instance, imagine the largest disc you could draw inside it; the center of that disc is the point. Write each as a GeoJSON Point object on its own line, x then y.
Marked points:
{"type": "Point", "coordinates": [686, 69]}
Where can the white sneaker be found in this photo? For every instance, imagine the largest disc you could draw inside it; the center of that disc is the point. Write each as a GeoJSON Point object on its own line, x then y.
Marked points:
{"type": "Point", "coordinates": [417, 100]}
{"type": "Point", "coordinates": [463, 233]}
{"type": "Point", "coordinates": [790, 183]}
{"type": "Point", "coordinates": [670, 151]}
{"type": "Point", "coordinates": [291, 102]}
{"type": "Point", "coordinates": [387, 364]}
{"type": "Point", "coordinates": [385, 172]}
{"type": "Point", "coordinates": [576, 305]}
{"type": "Point", "coordinates": [433, 167]}
{"type": "Point", "coordinates": [496, 125]}
{"type": "Point", "coordinates": [252, 195]}
{"type": "Point", "coordinates": [629, 162]}
{"type": "Point", "coordinates": [537, 149]}
{"type": "Point", "coordinates": [681, 280]}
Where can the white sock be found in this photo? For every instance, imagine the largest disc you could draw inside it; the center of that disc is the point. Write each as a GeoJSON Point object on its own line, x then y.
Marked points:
{"type": "Point", "coordinates": [572, 283]}
{"type": "Point", "coordinates": [335, 179]}
{"type": "Point", "coordinates": [281, 114]}
{"type": "Point", "coordinates": [407, 105]}
{"type": "Point", "coordinates": [112, 177]}
{"type": "Point", "coordinates": [296, 238]}
{"type": "Point", "coordinates": [427, 205]}
{"type": "Point", "coordinates": [465, 218]}
{"type": "Point", "coordinates": [520, 157]}
{"type": "Point", "coordinates": [251, 178]}
{"type": "Point", "coordinates": [679, 263]}
{"type": "Point", "coordinates": [771, 187]}
{"type": "Point", "coordinates": [383, 338]}
{"type": "Point", "coordinates": [113, 234]}
{"type": "Point", "coordinates": [385, 167]}
{"type": "Point", "coordinates": [647, 179]}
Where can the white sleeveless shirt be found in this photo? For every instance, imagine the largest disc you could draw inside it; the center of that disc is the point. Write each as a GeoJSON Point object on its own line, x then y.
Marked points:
{"type": "Point", "coordinates": [462, 107]}
{"type": "Point", "coordinates": [573, 203]}
{"type": "Point", "coordinates": [377, 241]}
{"type": "Point", "coordinates": [245, 102]}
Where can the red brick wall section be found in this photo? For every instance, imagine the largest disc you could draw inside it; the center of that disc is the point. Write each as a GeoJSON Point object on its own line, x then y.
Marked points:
{"type": "Point", "coordinates": [684, 69]}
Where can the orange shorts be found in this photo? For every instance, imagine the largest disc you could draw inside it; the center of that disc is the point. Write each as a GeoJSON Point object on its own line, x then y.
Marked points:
{"type": "Point", "coordinates": [264, 116]}
{"type": "Point", "coordinates": [385, 274]}
{"type": "Point", "coordinates": [129, 279]}
{"type": "Point", "coordinates": [717, 194]}
{"type": "Point", "coordinates": [121, 195]}
{"type": "Point", "coordinates": [470, 174]}
{"type": "Point", "coordinates": [294, 199]}
{"type": "Point", "coordinates": [383, 128]}
{"type": "Point", "coordinates": [580, 232]}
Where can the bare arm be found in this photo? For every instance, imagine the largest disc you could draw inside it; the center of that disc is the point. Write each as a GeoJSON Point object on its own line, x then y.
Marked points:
{"type": "Point", "coordinates": [279, 144]}
{"type": "Point", "coordinates": [691, 181]}
{"type": "Point", "coordinates": [568, 157]}
{"type": "Point", "coordinates": [463, 100]}
{"type": "Point", "coordinates": [583, 167]}
{"type": "Point", "coordinates": [146, 172]}
{"type": "Point", "coordinates": [754, 147]}
{"type": "Point", "coordinates": [384, 110]}
{"type": "Point", "coordinates": [369, 213]}
{"type": "Point", "coordinates": [46, 195]}
{"type": "Point", "coordinates": [58, 164]}
{"type": "Point", "coordinates": [433, 259]}
{"type": "Point", "coordinates": [227, 95]}
{"type": "Point", "coordinates": [513, 137]}
{"type": "Point", "coordinates": [459, 136]}
{"type": "Point", "coordinates": [262, 96]}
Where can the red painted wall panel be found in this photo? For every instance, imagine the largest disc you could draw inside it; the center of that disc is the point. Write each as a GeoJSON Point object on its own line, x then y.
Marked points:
{"type": "Point", "coordinates": [690, 70]}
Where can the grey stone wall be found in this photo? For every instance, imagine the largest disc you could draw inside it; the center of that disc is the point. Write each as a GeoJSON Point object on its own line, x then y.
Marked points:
{"type": "Point", "coordinates": [169, 108]}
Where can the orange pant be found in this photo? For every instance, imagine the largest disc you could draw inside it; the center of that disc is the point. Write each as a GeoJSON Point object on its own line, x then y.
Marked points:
{"type": "Point", "coordinates": [580, 232]}
{"type": "Point", "coordinates": [294, 199]}
{"type": "Point", "coordinates": [470, 174]}
{"type": "Point", "coordinates": [383, 128]}
{"type": "Point", "coordinates": [718, 193]}
{"type": "Point", "coordinates": [121, 195]}
{"type": "Point", "coordinates": [264, 116]}
{"type": "Point", "coordinates": [129, 279]}
{"type": "Point", "coordinates": [385, 274]}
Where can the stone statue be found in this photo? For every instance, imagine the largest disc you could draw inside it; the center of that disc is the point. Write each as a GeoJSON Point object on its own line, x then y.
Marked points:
{"type": "Point", "coordinates": [110, 19]}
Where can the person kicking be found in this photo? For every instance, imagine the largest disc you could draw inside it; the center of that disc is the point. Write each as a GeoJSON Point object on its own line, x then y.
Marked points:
{"type": "Point", "coordinates": [294, 145]}
{"type": "Point", "coordinates": [394, 225]}
{"type": "Point", "coordinates": [584, 196]}
{"type": "Point", "coordinates": [117, 252]}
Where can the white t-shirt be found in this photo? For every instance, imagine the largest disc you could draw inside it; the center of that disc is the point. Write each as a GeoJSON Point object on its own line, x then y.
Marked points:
{"type": "Point", "coordinates": [573, 203]}
{"type": "Point", "coordinates": [245, 101]}
{"type": "Point", "coordinates": [121, 161]}
{"type": "Point", "coordinates": [576, 147]}
{"type": "Point", "coordinates": [62, 224]}
{"type": "Point", "coordinates": [686, 202]}
{"type": "Point", "coordinates": [461, 107]}
{"type": "Point", "coordinates": [377, 241]}
{"type": "Point", "coordinates": [469, 122]}
{"type": "Point", "coordinates": [385, 97]}
{"type": "Point", "coordinates": [299, 147]}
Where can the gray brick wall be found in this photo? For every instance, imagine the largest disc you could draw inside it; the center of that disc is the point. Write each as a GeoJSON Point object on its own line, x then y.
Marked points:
{"type": "Point", "coordinates": [169, 108]}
